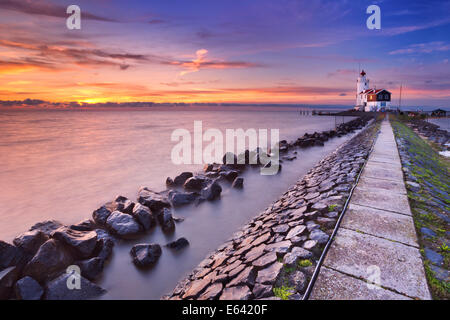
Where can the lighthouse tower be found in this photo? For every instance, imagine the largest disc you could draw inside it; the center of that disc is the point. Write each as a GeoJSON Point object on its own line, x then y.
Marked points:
{"type": "Point", "coordinates": [362, 84]}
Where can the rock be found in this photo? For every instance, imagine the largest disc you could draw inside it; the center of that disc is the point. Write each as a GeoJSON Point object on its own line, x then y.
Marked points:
{"type": "Point", "coordinates": [296, 279]}
{"type": "Point", "coordinates": [85, 225]}
{"type": "Point", "coordinates": [247, 276]}
{"type": "Point", "coordinates": [434, 257]}
{"type": "Point", "coordinates": [326, 222]}
{"type": "Point", "coordinates": [195, 183]}
{"type": "Point", "coordinates": [238, 183]}
{"type": "Point", "coordinates": [229, 158]}
{"type": "Point", "coordinates": [413, 186]}
{"type": "Point", "coordinates": [178, 244]}
{"type": "Point", "coordinates": [58, 289]}
{"type": "Point", "coordinates": [51, 258]}
{"type": "Point", "coordinates": [440, 273]}
{"type": "Point", "coordinates": [122, 204]}
{"type": "Point", "coordinates": [101, 215]}
{"type": "Point", "coordinates": [143, 215]}
{"type": "Point", "coordinates": [265, 260]}
{"type": "Point", "coordinates": [212, 292]}
{"type": "Point", "coordinates": [195, 288]}
{"type": "Point", "coordinates": [296, 231]}
{"type": "Point", "coordinates": [28, 289]}
{"type": "Point", "coordinates": [178, 199]}
{"type": "Point", "coordinates": [165, 219]}
{"type": "Point", "coordinates": [262, 291]}
{"type": "Point", "coordinates": [318, 235]}
{"type": "Point", "coordinates": [428, 232]}
{"type": "Point", "coordinates": [145, 255]}
{"type": "Point", "coordinates": [212, 191]}
{"type": "Point", "coordinates": [254, 253]}
{"type": "Point", "coordinates": [312, 195]}
{"type": "Point", "coordinates": [169, 182]}
{"type": "Point", "coordinates": [310, 245]}
{"type": "Point", "coordinates": [152, 199]}
{"type": "Point", "coordinates": [47, 227]}
{"type": "Point", "coordinates": [81, 243]}
{"type": "Point", "coordinates": [30, 241]}
{"type": "Point", "coordinates": [92, 268]}
{"type": "Point", "coordinates": [280, 248]}
{"type": "Point", "coordinates": [320, 207]}
{"type": "Point", "coordinates": [181, 178]}
{"type": "Point", "coordinates": [105, 248]}
{"type": "Point", "coordinates": [236, 293]}
{"type": "Point", "coordinates": [11, 256]}
{"type": "Point", "coordinates": [270, 274]}
{"type": "Point", "coordinates": [123, 225]}
{"type": "Point", "coordinates": [229, 175]}
{"type": "Point", "coordinates": [291, 258]}
{"type": "Point", "coordinates": [8, 277]}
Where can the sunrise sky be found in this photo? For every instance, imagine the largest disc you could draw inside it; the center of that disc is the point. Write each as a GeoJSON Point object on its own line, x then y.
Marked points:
{"type": "Point", "coordinates": [246, 51]}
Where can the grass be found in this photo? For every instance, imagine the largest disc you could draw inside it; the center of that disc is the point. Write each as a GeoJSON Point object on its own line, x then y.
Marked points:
{"type": "Point", "coordinates": [432, 173]}
{"type": "Point", "coordinates": [283, 292]}
{"type": "Point", "coordinates": [332, 207]}
{"type": "Point", "coordinates": [304, 263]}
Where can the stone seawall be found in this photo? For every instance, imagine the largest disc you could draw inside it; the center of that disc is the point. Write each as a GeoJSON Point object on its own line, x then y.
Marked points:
{"type": "Point", "coordinates": [274, 255]}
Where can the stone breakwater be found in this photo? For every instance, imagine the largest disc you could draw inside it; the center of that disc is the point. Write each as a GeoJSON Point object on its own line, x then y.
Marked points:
{"type": "Point", "coordinates": [274, 255]}
{"type": "Point", "coordinates": [432, 132]}
{"type": "Point", "coordinates": [35, 265]}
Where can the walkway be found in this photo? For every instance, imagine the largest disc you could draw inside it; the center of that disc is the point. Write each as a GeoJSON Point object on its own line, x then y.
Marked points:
{"type": "Point", "coordinates": [376, 242]}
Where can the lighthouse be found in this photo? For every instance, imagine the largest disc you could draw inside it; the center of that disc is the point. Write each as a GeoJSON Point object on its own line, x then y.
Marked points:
{"type": "Point", "coordinates": [362, 84]}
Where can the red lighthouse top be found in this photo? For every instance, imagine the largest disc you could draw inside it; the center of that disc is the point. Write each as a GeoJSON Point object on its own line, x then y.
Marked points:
{"type": "Point", "coordinates": [363, 73]}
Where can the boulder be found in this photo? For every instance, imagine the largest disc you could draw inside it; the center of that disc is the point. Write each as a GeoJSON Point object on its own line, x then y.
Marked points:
{"type": "Point", "coordinates": [91, 268]}
{"type": "Point", "coordinates": [166, 221]}
{"type": "Point", "coordinates": [270, 274]}
{"type": "Point", "coordinates": [57, 289]}
{"type": "Point", "coordinates": [122, 204]}
{"type": "Point", "coordinates": [101, 215]}
{"type": "Point", "coordinates": [145, 255]}
{"type": "Point", "coordinates": [51, 258]}
{"type": "Point", "coordinates": [123, 225]}
{"type": "Point", "coordinates": [238, 183]}
{"type": "Point", "coordinates": [212, 191]}
{"type": "Point", "coordinates": [28, 289]}
{"type": "Point", "coordinates": [229, 175]}
{"type": "Point", "coordinates": [212, 292]}
{"type": "Point", "coordinates": [143, 215]}
{"type": "Point", "coordinates": [195, 183]}
{"type": "Point", "coordinates": [85, 225]}
{"type": "Point", "coordinates": [181, 178]}
{"type": "Point", "coordinates": [318, 235]}
{"type": "Point", "coordinates": [178, 199]}
{"type": "Point", "coordinates": [154, 200]}
{"type": "Point", "coordinates": [47, 226]}
{"type": "Point", "coordinates": [178, 244]}
{"type": "Point", "coordinates": [30, 241]}
{"type": "Point", "coordinates": [8, 277]}
{"type": "Point", "coordinates": [81, 243]}
{"type": "Point", "coordinates": [11, 255]}
{"type": "Point", "coordinates": [104, 248]}
{"type": "Point", "coordinates": [236, 293]}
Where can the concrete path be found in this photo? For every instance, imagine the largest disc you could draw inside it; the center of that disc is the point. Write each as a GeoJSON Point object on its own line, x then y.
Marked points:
{"type": "Point", "coordinates": [375, 254]}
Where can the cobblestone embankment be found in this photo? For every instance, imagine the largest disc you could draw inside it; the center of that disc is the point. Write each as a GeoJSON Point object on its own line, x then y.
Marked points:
{"type": "Point", "coordinates": [274, 255]}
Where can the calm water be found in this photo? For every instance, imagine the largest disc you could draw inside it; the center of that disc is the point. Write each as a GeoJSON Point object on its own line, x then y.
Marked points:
{"type": "Point", "coordinates": [64, 164]}
{"type": "Point", "coordinates": [443, 123]}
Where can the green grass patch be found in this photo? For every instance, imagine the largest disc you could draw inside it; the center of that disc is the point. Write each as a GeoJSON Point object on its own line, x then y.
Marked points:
{"type": "Point", "coordinates": [283, 292]}
{"type": "Point", "coordinates": [304, 263]}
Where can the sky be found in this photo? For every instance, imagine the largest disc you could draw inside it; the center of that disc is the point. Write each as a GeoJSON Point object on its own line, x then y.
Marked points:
{"type": "Point", "coordinates": [233, 51]}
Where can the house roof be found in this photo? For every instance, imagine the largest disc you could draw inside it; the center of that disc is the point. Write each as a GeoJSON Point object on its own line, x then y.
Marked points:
{"type": "Point", "coordinates": [373, 91]}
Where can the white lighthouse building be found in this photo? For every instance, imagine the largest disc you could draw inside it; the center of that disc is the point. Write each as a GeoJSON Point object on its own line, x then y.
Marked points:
{"type": "Point", "coordinates": [370, 99]}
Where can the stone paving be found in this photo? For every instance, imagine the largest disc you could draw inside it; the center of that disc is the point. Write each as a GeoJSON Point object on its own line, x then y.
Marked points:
{"type": "Point", "coordinates": [375, 254]}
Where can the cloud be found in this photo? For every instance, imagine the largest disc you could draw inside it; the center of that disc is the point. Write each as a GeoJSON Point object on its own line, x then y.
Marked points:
{"type": "Point", "coordinates": [201, 62]}
{"type": "Point", "coordinates": [423, 48]}
{"type": "Point", "coordinates": [343, 72]}
{"type": "Point", "coordinates": [405, 29]}
{"type": "Point", "coordinates": [45, 8]}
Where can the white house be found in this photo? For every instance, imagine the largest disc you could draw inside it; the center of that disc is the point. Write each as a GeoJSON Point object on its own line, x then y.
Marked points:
{"type": "Point", "coordinates": [370, 99]}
